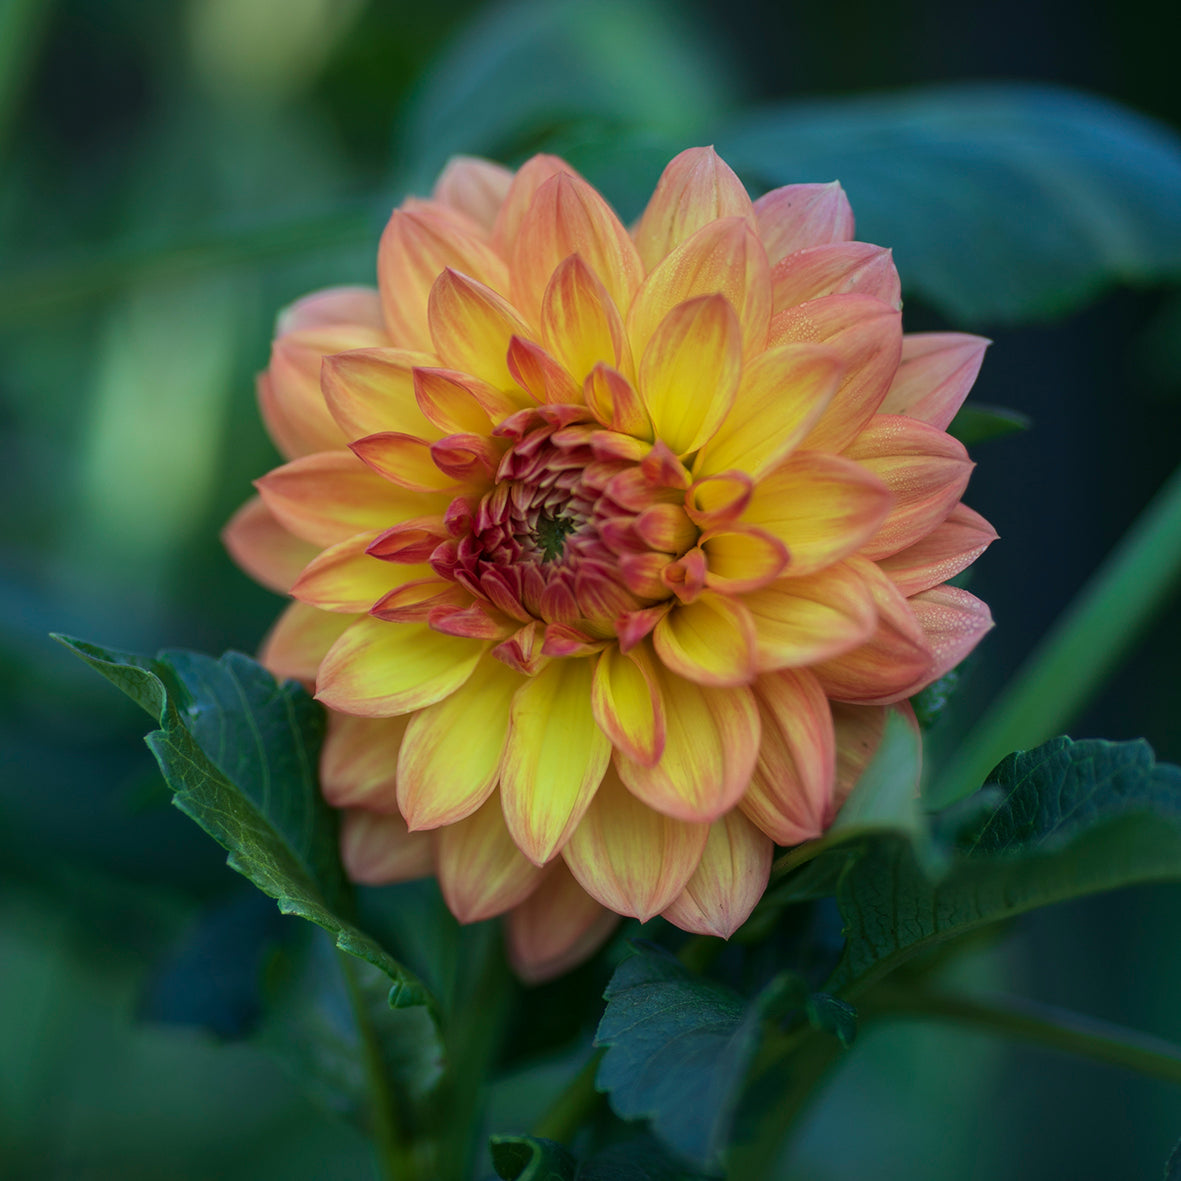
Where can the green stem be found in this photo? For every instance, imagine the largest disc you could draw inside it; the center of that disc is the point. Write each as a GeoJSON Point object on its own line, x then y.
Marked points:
{"type": "Point", "coordinates": [1046, 1025]}
{"type": "Point", "coordinates": [395, 1156]}
{"type": "Point", "coordinates": [1088, 639]}
{"type": "Point", "coordinates": [574, 1106]}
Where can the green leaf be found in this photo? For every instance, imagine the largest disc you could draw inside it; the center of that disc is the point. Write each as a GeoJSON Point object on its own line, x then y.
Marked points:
{"type": "Point", "coordinates": [525, 70]}
{"type": "Point", "coordinates": [679, 1049]}
{"type": "Point", "coordinates": [239, 751]}
{"type": "Point", "coordinates": [1001, 201]}
{"type": "Point", "coordinates": [832, 1015]}
{"type": "Point", "coordinates": [1073, 818]}
{"type": "Point", "coordinates": [524, 1158]}
{"type": "Point", "coordinates": [980, 423]}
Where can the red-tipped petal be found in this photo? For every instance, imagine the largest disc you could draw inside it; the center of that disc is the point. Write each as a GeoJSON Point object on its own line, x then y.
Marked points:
{"type": "Point", "coordinates": [728, 881]}
{"type": "Point", "coordinates": [795, 217]}
{"type": "Point", "coordinates": [404, 460]}
{"type": "Point", "coordinates": [263, 548]}
{"type": "Point", "coordinates": [613, 400]}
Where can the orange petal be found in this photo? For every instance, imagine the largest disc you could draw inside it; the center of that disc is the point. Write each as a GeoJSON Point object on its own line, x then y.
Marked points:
{"type": "Point", "coordinates": [925, 469]}
{"type": "Point", "coordinates": [555, 929]}
{"type": "Point", "coordinates": [555, 758]}
{"type": "Point", "coordinates": [722, 258]}
{"type": "Point", "coordinates": [449, 401]}
{"type": "Point", "coordinates": [953, 622]}
{"type": "Point", "coordinates": [943, 553]}
{"type": "Point", "coordinates": [782, 393]}
{"type": "Point", "coordinates": [372, 390]}
{"type": "Point", "coordinates": [840, 268]}
{"type": "Point", "coordinates": [521, 191]}
{"type": "Point", "coordinates": [263, 548]}
{"type": "Point", "coordinates": [710, 641]}
{"type": "Point", "coordinates": [711, 743]}
{"type": "Point", "coordinates": [612, 399]}
{"type": "Point", "coordinates": [333, 496]}
{"type": "Point", "coordinates": [936, 373]}
{"type": "Point", "coordinates": [344, 577]}
{"type": "Point", "coordinates": [742, 559]}
{"type": "Point", "coordinates": [822, 507]}
{"type": "Point", "coordinates": [416, 601]}
{"type": "Point", "coordinates": [534, 370]}
{"type": "Point", "coordinates": [358, 761]}
{"type": "Point", "coordinates": [567, 216]}
{"type": "Point", "coordinates": [696, 187]}
{"type": "Point", "coordinates": [895, 662]}
{"type": "Point", "coordinates": [795, 217]}
{"type": "Point", "coordinates": [376, 849]}
{"type": "Point", "coordinates": [715, 502]}
{"type": "Point", "coordinates": [481, 871]}
{"type": "Point", "coordinates": [799, 621]}
{"type": "Point", "coordinates": [378, 669]}
{"type": "Point", "coordinates": [728, 881]}
{"type": "Point", "coordinates": [580, 323]}
{"type": "Point", "coordinates": [628, 857]}
{"type": "Point", "coordinates": [472, 327]}
{"type": "Point", "coordinates": [791, 791]}
{"type": "Point", "coordinates": [476, 188]}
{"type": "Point", "coordinates": [690, 371]}
{"type": "Point", "coordinates": [404, 460]}
{"type": "Point", "coordinates": [416, 247]}
{"type": "Point", "coordinates": [867, 334]}
{"type": "Point", "coordinates": [625, 698]}
{"type": "Point", "coordinates": [299, 641]}
{"type": "Point", "coordinates": [356, 306]}
{"type": "Point", "coordinates": [441, 780]}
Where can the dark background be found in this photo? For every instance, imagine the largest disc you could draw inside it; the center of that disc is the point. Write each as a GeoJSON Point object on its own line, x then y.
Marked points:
{"type": "Point", "coordinates": [172, 174]}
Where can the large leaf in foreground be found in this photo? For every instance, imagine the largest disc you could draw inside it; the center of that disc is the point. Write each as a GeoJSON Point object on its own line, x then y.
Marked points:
{"type": "Point", "coordinates": [1073, 818]}
{"type": "Point", "coordinates": [239, 750]}
{"type": "Point", "coordinates": [1001, 201]}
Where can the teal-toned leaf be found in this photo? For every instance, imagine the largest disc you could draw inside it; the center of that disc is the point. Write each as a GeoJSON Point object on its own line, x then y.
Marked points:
{"type": "Point", "coordinates": [832, 1015]}
{"type": "Point", "coordinates": [524, 71]}
{"type": "Point", "coordinates": [239, 751]}
{"type": "Point", "coordinates": [524, 1158]}
{"type": "Point", "coordinates": [1068, 819]}
{"type": "Point", "coordinates": [929, 703]}
{"type": "Point", "coordinates": [978, 423]}
{"type": "Point", "coordinates": [678, 1051]}
{"type": "Point", "coordinates": [1001, 201]}
{"type": "Point", "coordinates": [643, 1159]}
{"type": "Point", "coordinates": [1173, 1164]}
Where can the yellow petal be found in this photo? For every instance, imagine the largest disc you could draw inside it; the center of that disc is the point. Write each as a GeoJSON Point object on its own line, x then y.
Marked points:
{"type": "Point", "coordinates": [474, 187]}
{"type": "Point", "coordinates": [782, 393]}
{"type": "Point", "coordinates": [344, 577]}
{"type": "Point", "coordinates": [628, 857]}
{"type": "Point", "coordinates": [372, 390]}
{"type": "Point", "coordinates": [625, 697]}
{"type": "Point", "coordinates": [378, 669]}
{"type": "Point", "coordinates": [580, 323]}
{"type": "Point", "coordinates": [358, 761]}
{"type": "Point", "coordinates": [696, 187]}
{"type": "Point", "coordinates": [376, 849]}
{"type": "Point", "coordinates": [711, 743]}
{"type": "Point", "coordinates": [690, 372]}
{"type": "Point", "coordinates": [555, 929]}
{"type": "Point", "coordinates": [722, 258]}
{"type": "Point", "coordinates": [728, 882]}
{"type": "Point", "coordinates": [612, 399]}
{"type": "Point", "coordinates": [263, 548]}
{"type": "Point", "coordinates": [404, 460]}
{"type": "Point", "coordinates": [555, 758]}
{"type": "Point", "coordinates": [799, 621]}
{"type": "Point", "coordinates": [481, 871]}
{"type": "Point", "coordinates": [449, 762]}
{"type": "Point", "coordinates": [300, 639]}
{"type": "Point", "coordinates": [791, 792]}
{"type": "Point", "coordinates": [567, 216]}
{"type": "Point", "coordinates": [710, 641]}
{"type": "Point", "coordinates": [822, 507]}
{"type": "Point", "coordinates": [742, 559]}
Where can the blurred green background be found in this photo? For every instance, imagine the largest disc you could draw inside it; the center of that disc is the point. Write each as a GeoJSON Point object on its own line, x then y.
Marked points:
{"type": "Point", "coordinates": [172, 172]}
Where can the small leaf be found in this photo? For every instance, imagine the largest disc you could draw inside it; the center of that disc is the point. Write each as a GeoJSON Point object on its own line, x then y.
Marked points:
{"type": "Point", "coordinates": [978, 423]}
{"type": "Point", "coordinates": [524, 1158]}
{"type": "Point", "coordinates": [1073, 818]}
{"type": "Point", "coordinates": [678, 1051]}
{"type": "Point", "coordinates": [1001, 201]}
{"type": "Point", "coordinates": [832, 1015]}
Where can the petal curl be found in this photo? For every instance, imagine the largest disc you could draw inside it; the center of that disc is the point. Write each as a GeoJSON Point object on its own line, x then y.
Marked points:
{"type": "Point", "coordinates": [711, 641]}
{"type": "Point", "coordinates": [345, 577]}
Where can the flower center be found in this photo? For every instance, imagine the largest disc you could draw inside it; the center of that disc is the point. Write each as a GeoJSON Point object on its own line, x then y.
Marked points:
{"type": "Point", "coordinates": [551, 532]}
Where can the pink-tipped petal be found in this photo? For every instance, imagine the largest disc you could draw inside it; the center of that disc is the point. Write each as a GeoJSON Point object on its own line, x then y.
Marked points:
{"type": "Point", "coordinates": [299, 641]}
{"type": "Point", "coordinates": [352, 306]}
{"type": "Point", "coordinates": [795, 217]}
{"type": "Point", "coordinates": [474, 187]}
{"type": "Point", "coordinates": [696, 187]}
{"type": "Point", "coordinates": [263, 548]}
{"type": "Point", "coordinates": [481, 871]}
{"type": "Point", "coordinates": [743, 559]}
{"type": "Point", "coordinates": [841, 268]}
{"type": "Point", "coordinates": [555, 929]}
{"type": "Point", "coordinates": [953, 622]}
{"type": "Point", "coordinates": [404, 460]}
{"type": "Point", "coordinates": [613, 400]}
{"type": "Point", "coordinates": [630, 858]}
{"type": "Point", "coordinates": [376, 849]}
{"type": "Point", "coordinates": [941, 554]}
{"type": "Point", "coordinates": [936, 373]}
{"type": "Point", "coordinates": [791, 791]}
{"type": "Point", "coordinates": [728, 881]}
{"type": "Point", "coordinates": [359, 760]}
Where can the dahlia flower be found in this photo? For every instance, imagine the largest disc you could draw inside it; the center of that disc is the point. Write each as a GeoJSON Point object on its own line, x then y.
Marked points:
{"type": "Point", "coordinates": [609, 549]}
